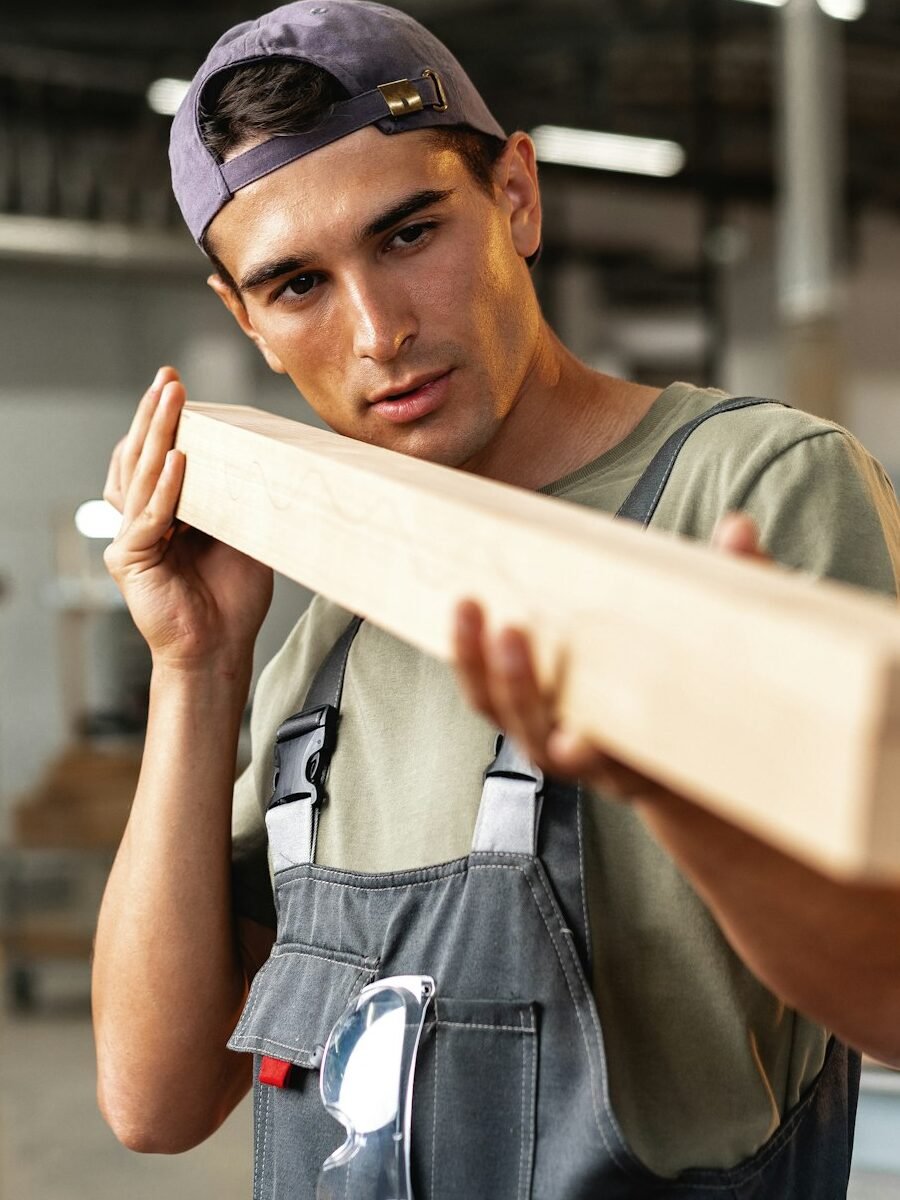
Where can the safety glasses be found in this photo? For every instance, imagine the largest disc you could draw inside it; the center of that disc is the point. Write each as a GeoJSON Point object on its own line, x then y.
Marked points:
{"type": "Point", "coordinates": [366, 1083]}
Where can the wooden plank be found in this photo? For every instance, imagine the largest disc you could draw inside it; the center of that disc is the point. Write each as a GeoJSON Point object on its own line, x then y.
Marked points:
{"type": "Point", "coordinates": [769, 697]}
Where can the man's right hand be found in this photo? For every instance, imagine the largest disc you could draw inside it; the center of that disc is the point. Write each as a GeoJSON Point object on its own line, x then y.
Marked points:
{"type": "Point", "coordinates": [196, 601]}
{"type": "Point", "coordinates": [171, 969]}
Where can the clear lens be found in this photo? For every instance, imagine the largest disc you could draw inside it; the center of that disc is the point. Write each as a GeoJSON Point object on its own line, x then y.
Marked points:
{"type": "Point", "coordinates": [369, 1047]}
{"type": "Point", "coordinates": [366, 1084]}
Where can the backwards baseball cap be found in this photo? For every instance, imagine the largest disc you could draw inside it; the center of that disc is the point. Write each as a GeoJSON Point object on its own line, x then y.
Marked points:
{"type": "Point", "coordinates": [398, 75]}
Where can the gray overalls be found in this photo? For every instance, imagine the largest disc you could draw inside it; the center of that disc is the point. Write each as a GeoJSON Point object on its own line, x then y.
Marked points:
{"type": "Point", "coordinates": [511, 1096]}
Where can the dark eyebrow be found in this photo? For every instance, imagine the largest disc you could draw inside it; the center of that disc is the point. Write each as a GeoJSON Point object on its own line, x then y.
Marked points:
{"type": "Point", "coordinates": [399, 212]}
{"type": "Point", "coordinates": [266, 272]}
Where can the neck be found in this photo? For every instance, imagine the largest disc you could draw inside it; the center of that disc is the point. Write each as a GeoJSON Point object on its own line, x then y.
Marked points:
{"type": "Point", "coordinates": [564, 415]}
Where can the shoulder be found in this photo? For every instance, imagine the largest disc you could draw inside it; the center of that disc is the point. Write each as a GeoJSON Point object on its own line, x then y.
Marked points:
{"type": "Point", "coordinates": [822, 502]}
{"type": "Point", "coordinates": [730, 451]}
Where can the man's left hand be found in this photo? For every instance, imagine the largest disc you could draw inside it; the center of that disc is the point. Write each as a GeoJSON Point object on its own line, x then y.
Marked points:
{"type": "Point", "coordinates": [498, 678]}
{"type": "Point", "coordinates": [778, 913]}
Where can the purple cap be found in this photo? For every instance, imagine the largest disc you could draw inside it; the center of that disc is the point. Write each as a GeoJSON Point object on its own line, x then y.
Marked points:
{"type": "Point", "coordinates": [399, 77]}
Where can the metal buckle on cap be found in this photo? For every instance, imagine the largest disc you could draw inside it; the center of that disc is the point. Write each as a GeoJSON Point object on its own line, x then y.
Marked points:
{"type": "Point", "coordinates": [403, 97]}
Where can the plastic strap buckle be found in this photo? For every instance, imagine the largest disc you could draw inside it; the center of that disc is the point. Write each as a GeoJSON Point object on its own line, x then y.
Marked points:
{"type": "Point", "coordinates": [304, 744]}
{"type": "Point", "coordinates": [511, 763]}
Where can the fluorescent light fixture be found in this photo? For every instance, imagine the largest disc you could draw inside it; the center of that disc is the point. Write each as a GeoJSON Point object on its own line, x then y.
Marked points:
{"type": "Point", "coordinates": [607, 151]}
{"type": "Point", "coordinates": [843, 10]}
{"type": "Point", "coordinates": [97, 519]}
{"type": "Point", "coordinates": [165, 95]}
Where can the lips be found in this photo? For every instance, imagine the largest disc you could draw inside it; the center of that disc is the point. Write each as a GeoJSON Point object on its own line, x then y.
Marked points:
{"type": "Point", "coordinates": [419, 397]}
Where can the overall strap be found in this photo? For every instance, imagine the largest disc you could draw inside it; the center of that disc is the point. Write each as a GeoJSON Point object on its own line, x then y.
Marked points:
{"type": "Point", "coordinates": [511, 817]}
{"type": "Point", "coordinates": [641, 502]}
{"type": "Point", "coordinates": [510, 808]}
{"type": "Point", "coordinates": [304, 745]}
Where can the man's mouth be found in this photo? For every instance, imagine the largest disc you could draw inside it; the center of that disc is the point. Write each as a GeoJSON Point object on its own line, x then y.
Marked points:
{"type": "Point", "coordinates": [413, 398]}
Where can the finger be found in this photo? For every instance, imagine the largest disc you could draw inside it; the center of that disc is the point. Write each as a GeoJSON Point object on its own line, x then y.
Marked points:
{"type": "Point", "coordinates": [736, 533]}
{"type": "Point", "coordinates": [469, 659]}
{"type": "Point", "coordinates": [523, 710]}
{"type": "Point", "coordinates": [149, 529]}
{"type": "Point", "coordinates": [573, 755]}
{"type": "Point", "coordinates": [134, 439]}
{"type": "Point", "coordinates": [158, 442]}
{"type": "Point", "coordinates": [112, 488]}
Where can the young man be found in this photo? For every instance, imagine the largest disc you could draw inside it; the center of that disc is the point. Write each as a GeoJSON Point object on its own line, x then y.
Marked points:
{"type": "Point", "coordinates": [388, 276]}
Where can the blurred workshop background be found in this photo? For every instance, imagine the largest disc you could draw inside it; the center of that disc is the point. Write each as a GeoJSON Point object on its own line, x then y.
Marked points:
{"type": "Point", "coordinates": [722, 190]}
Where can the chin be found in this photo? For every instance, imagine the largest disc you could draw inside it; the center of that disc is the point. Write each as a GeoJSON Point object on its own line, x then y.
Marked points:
{"type": "Point", "coordinates": [427, 451]}
{"type": "Point", "coordinates": [427, 439]}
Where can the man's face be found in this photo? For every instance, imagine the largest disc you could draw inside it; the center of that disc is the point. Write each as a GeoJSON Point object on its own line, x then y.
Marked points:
{"type": "Point", "coordinates": [390, 288]}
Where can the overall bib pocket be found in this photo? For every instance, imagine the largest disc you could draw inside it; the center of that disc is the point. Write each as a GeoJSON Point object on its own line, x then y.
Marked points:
{"type": "Point", "coordinates": [296, 997]}
{"type": "Point", "coordinates": [295, 1000]}
{"type": "Point", "coordinates": [473, 1124]}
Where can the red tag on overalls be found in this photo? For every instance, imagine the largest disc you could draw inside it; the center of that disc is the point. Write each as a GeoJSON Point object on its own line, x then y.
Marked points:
{"type": "Point", "coordinates": [274, 1071]}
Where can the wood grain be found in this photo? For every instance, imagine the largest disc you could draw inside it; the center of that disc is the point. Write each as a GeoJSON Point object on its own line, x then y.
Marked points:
{"type": "Point", "coordinates": [769, 697]}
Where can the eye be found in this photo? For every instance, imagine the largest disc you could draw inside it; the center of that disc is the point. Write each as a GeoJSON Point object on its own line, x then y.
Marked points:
{"type": "Point", "coordinates": [411, 234]}
{"type": "Point", "coordinates": [300, 285]}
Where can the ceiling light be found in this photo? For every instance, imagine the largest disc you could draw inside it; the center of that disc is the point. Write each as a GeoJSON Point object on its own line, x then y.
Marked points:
{"type": "Point", "coordinates": [97, 519]}
{"type": "Point", "coordinates": [165, 95]}
{"type": "Point", "coordinates": [607, 151]}
{"type": "Point", "coordinates": [843, 10]}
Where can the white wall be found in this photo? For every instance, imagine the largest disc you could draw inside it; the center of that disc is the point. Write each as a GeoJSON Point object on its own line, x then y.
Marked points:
{"type": "Point", "coordinates": [754, 361]}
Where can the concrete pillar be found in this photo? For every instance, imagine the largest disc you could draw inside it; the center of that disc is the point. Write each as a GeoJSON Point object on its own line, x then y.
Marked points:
{"type": "Point", "coordinates": [811, 207]}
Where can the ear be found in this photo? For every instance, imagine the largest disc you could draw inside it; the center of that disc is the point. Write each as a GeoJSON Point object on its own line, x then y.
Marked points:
{"type": "Point", "coordinates": [515, 174]}
{"type": "Point", "coordinates": [235, 305]}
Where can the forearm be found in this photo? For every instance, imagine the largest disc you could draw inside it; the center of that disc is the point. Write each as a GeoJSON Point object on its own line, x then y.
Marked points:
{"type": "Point", "coordinates": [828, 949]}
{"type": "Point", "coordinates": [168, 982]}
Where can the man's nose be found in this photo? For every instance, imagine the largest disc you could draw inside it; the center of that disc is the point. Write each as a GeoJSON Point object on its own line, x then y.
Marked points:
{"type": "Point", "coordinates": [383, 321]}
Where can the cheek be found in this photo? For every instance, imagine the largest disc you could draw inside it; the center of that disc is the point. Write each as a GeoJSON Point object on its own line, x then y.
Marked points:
{"type": "Point", "coordinates": [468, 288]}
{"type": "Point", "coordinates": [308, 347]}
{"type": "Point", "coordinates": [500, 311]}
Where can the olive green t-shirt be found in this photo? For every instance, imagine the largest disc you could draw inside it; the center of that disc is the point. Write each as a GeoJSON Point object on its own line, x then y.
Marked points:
{"type": "Point", "coordinates": [703, 1060]}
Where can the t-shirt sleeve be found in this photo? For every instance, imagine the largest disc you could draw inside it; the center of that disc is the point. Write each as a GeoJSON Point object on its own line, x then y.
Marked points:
{"type": "Point", "coordinates": [825, 506]}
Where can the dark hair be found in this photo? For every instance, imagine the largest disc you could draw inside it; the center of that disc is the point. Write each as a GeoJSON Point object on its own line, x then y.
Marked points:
{"type": "Point", "coordinates": [285, 96]}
